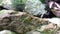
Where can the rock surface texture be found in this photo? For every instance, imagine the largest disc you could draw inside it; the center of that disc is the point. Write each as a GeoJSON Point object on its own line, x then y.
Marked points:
{"type": "Point", "coordinates": [23, 23]}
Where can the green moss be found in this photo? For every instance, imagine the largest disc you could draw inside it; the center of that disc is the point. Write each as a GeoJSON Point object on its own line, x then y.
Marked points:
{"type": "Point", "coordinates": [28, 21]}
{"type": "Point", "coordinates": [14, 12]}
{"type": "Point", "coordinates": [2, 12]}
{"type": "Point", "coordinates": [43, 1]}
{"type": "Point", "coordinates": [0, 1]}
{"type": "Point", "coordinates": [16, 2]}
{"type": "Point", "coordinates": [46, 32]}
{"type": "Point", "coordinates": [23, 17]}
{"type": "Point", "coordinates": [13, 33]}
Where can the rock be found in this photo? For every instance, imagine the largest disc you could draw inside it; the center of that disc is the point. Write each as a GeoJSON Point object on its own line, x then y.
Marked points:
{"type": "Point", "coordinates": [23, 23]}
{"type": "Point", "coordinates": [6, 32]}
{"type": "Point", "coordinates": [32, 7]}
{"type": "Point", "coordinates": [7, 4]}
{"type": "Point", "coordinates": [5, 13]}
{"type": "Point", "coordinates": [35, 7]}
{"type": "Point", "coordinates": [50, 26]}
{"type": "Point", "coordinates": [19, 22]}
{"type": "Point", "coordinates": [13, 4]}
{"type": "Point", "coordinates": [33, 32]}
{"type": "Point", "coordinates": [55, 21]}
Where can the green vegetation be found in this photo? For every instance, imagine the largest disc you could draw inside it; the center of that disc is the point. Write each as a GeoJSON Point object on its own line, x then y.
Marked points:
{"type": "Point", "coordinates": [43, 1]}
{"type": "Point", "coordinates": [0, 1]}
{"type": "Point", "coordinates": [16, 2]}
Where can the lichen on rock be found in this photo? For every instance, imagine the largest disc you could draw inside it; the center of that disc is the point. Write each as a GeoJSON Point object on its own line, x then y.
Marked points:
{"type": "Point", "coordinates": [24, 23]}
{"type": "Point", "coordinates": [35, 7]}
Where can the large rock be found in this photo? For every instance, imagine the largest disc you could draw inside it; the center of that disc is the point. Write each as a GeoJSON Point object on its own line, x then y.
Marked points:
{"type": "Point", "coordinates": [35, 7]}
{"type": "Point", "coordinates": [6, 32]}
{"type": "Point", "coordinates": [23, 23]}
{"type": "Point", "coordinates": [6, 4]}
{"type": "Point", "coordinates": [13, 4]}
{"type": "Point", "coordinates": [19, 22]}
